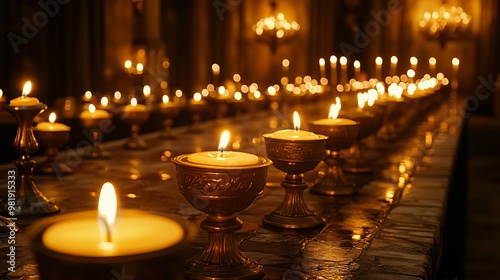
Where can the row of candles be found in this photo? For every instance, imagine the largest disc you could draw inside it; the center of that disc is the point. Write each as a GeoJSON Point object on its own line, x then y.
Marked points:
{"type": "Point", "coordinates": [80, 235]}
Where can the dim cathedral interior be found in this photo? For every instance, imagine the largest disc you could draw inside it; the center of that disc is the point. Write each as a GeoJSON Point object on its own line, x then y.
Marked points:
{"type": "Point", "coordinates": [249, 139]}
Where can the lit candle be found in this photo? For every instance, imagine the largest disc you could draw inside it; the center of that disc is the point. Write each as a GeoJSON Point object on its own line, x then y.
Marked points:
{"type": "Point", "coordinates": [322, 70]}
{"type": "Point", "coordinates": [128, 66]}
{"type": "Point", "coordinates": [332, 116]}
{"type": "Point", "coordinates": [432, 66]}
{"type": "Point", "coordinates": [394, 65]}
{"type": "Point", "coordinates": [87, 96]}
{"type": "Point", "coordinates": [24, 100]}
{"type": "Point", "coordinates": [216, 72]}
{"type": "Point", "coordinates": [296, 133]}
{"type": "Point", "coordinates": [454, 76]}
{"type": "Point", "coordinates": [414, 62]}
{"type": "Point", "coordinates": [333, 70]}
{"type": "Point", "coordinates": [286, 64]}
{"type": "Point", "coordinates": [139, 68]}
{"type": "Point", "coordinates": [104, 102]}
{"type": "Point", "coordinates": [134, 107]}
{"type": "Point", "coordinates": [378, 68]}
{"type": "Point", "coordinates": [51, 125]}
{"type": "Point", "coordinates": [343, 70]}
{"type": "Point", "coordinates": [146, 90]}
{"type": "Point", "coordinates": [222, 157]}
{"type": "Point", "coordinates": [101, 234]}
{"type": "Point", "coordinates": [357, 69]}
{"type": "Point", "coordinates": [92, 113]}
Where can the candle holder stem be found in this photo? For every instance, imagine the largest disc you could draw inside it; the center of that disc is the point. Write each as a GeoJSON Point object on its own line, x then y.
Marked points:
{"type": "Point", "coordinates": [97, 151]}
{"type": "Point", "coordinates": [29, 201]}
{"type": "Point", "coordinates": [51, 165]}
{"type": "Point", "coordinates": [293, 211]}
{"type": "Point", "coordinates": [135, 142]}
{"type": "Point", "coordinates": [221, 258]}
{"type": "Point", "coordinates": [356, 163]}
{"type": "Point", "coordinates": [167, 130]}
{"type": "Point", "coordinates": [334, 181]}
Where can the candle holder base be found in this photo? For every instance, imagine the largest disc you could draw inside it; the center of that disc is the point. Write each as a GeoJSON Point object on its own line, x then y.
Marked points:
{"type": "Point", "coordinates": [246, 271]}
{"type": "Point", "coordinates": [334, 181]}
{"type": "Point", "coordinates": [97, 152]}
{"type": "Point", "coordinates": [136, 143]}
{"type": "Point", "coordinates": [51, 167]}
{"type": "Point", "coordinates": [295, 158]}
{"type": "Point", "coordinates": [6, 226]}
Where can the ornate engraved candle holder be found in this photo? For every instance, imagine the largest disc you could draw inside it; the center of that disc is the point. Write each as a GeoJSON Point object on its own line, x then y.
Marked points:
{"type": "Point", "coordinates": [94, 125]}
{"type": "Point", "coordinates": [221, 192]}
{"type": "Point", "coordinates": [29, 199]}
{"type": "Point", "coordinates": [135, 119]}
{"type": "Point", "coordinates": [52, 141]}
{"type": "Point", "coordinates": [334, 181]}
{"type": "Point", "coordinates": [294, 158]}
{"type": "Point", "coordinates": [356, 163]}
{"type": "Point", "coordinates": [168, 112]}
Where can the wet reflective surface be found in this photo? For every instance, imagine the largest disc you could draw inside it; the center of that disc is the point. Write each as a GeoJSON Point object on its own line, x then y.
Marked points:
{"type": "Point", "coordinates": [390, 230]}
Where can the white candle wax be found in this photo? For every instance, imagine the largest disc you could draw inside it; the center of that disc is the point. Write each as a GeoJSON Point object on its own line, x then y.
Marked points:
{"type": "Point", "coordinates": [135, 233]}
{"type": "Point", "coordinates": [97, 114]}
{"type": "Point", "coordinates": [330, 121]}
{"type": "Point", "coordinates": [136, 108]}
{"type": "Point", "coordinates": [290, 134]}
{"type": "Point", "coordinates": [24, 101]}
{"type": "Point", "coordinates": [227, 158]}
{"type": "Point", "coordinates": [48, 126]}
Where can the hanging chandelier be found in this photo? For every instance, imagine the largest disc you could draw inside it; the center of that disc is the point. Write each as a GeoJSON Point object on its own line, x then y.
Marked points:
{"type": "Point", "coordinates": [447, 23]}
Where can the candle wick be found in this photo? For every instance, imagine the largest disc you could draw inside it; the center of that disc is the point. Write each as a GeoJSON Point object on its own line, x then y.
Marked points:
{"type": "Point", "coordinates": [107, 229]}
{"type": "Point", "coordinates": [221, 153]}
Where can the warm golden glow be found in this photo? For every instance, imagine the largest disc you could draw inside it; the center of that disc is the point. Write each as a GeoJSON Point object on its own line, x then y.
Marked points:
{"type": "Point", "coordinates": [285, 63]}
{"type": "Point", "coordinates": [52, 117]}
{"type": "Point", "coordinates": [26, 88]}
{"type": "Point", "coordinates": [333, 59]}
{"type": "Point", "coordinates": [413, 60]}
{"type": "Point", "coordinates": [378, 60]}
{"type": "Point", "coordinates": [133, 102]}
{"type": "Point", "coordinates": [380, 88]}
{"type": "Point", "coordinates": [236, 78]}
{"type": "Point", "coordinates": [357, 64]}
{"type": "Point", "coordinates": [128, 64]}
{"type": "Point", "coordinates": [322, 62]}
{"type": "Point", "coordinates": [224, 140]}
{"type": "Point", "coordinates": [146, 90]}
{"type": "Point", "coordinates": [165, 98]}
{"type": "Point", "coordinates": [343, 60]}
{"type": "Point", "coordinates": [139, 68]}
{"type": "Point", "coordinates": [215, 69]}
{"type": "Point", "coordinates": [432, 61]}
{"type": "Point", "coordinates": [197, 97]}
{"type": "Point", "coordinates": [237, 96]}
{"type": "Point", "coordinates": [361, 100]}
{"type": "Point", "coordinates": [455, 61]}
{"type": "Point", "coordinates": [1, 93]}
{"type": "Point", "coordinates": [91, 108]}
{"type": "Point", "coordinates": [117, 95]}
{"type": "Point", "coordinates": [410, 73]}
{"type": "Point", "coordinates": [178, 93]}
{"type": "Point", "coordinates": [334, 109]}
{"type": "Point", "coordinates": [104, 101]}
{"type": "Point", "coordinates": [296, 121]}
{"type": "Point", "coordinates": [411, 89]}
{"type": "Point", "coordinates": [394, 59]}
{"type": "Point", "coordinates": [107, 209]}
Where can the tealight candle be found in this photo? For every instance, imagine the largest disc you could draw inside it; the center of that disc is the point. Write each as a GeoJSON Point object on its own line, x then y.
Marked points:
{"type": "Point", "coordinates": [24, 100]}
{"type": "Point", "coordinates": [222, 157]}
{"type": "Point", "coordinates": [332, 116]}
{"type": "Point", "coordinates": [51, 125]}
{"type": "Point", "coordinates": [92, 113]}
{"type": "Point", "coordinates": [133, 233]}
{"type": "Point", "coordinates": [294, 134]}
{"type": "Point", "coordinates": [134, 107]}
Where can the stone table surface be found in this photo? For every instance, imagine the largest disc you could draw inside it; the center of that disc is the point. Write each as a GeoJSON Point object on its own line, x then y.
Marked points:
{"type": "Point", "coordinates": [390, 230]}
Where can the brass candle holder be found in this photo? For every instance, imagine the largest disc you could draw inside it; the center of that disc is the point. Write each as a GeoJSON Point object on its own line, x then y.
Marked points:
{"type": "Point", "coordinates": [135, 118]}
{"type": "Point", "coordinates": [340, 137]}
{"type": "Point", "coordinates": [221, 192]}
{"type": "Point", "coordinates": [29, 199]}
{"type": "Point", "coordinates": [94, 125]}
{"type": "Point", "coordinates": [52, 141]}
{"type": "Point", "coordinates": [294, 157]}
{"type": "Point", "coordinates": [168, 112]}
{"type": "Point", "coordinates": [356, 163]}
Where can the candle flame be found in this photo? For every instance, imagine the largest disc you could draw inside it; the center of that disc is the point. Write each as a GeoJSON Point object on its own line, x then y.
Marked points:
{"type": "Point", "coordinates": [378, 60]}
{"type": "Point", "coordinates": [197, 97]}
{"type": "Point", "coordinates": [333, 59]}
{"type": "Point", "coordinates": [104, 101]}
{"type": "Point", "coordinates": [107, 208]}
{"type": "Point", "coordinates": [128, 64]}
{"type": "Point", "coordinates": [26, 89]}
{"type": "Point", "coordinates": [394, 59]}
{"type": "Point", "coordinates": [343, 60]}
{"type": "Point", "coordinates": [357, 64]}
{"type": "Point", "coordinates": [165, 98]}
{"type": "Point", "coordinates": [133, 102]}
{"type": "Point", "coordinates": [1, 93]}
{"type": "Point", "coordinates": [91, 108]}
{"type": "Point", "coordinates": [52, 117]}
{"type": "Point", "coordinates": [88, 95]}
{"type": "Point", "coordinates": [296, 121]}
{"type": "Point", "coordinates": [146, 90]}
{"type": "Point", "coordinates": [361, 100]}
{"type": "Point", "coordinates": [334, 109]}
{"type": "Point", "coordinates": [321, 62]}
{"type": "Point", "coordinates": [224, 140]}
{"type": "Point", "coordinates": [455, 61]}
